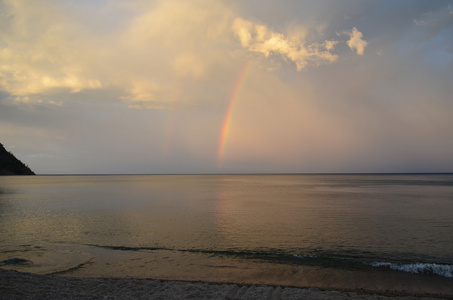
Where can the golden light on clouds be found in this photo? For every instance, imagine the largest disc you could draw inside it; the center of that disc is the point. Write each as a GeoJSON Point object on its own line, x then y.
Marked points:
{"type": "Point", "coordinates": [325, 84]}
{"type": "Point", "coordinates": [258, 38]}
{"type": "Point", "coordinates": [168, 40]}
{"type": "Point", "coordinates": [356, 41]}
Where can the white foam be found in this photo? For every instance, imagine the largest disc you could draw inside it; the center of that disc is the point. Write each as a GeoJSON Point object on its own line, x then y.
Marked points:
{"type": "Point", "coordinates": [418, 268]}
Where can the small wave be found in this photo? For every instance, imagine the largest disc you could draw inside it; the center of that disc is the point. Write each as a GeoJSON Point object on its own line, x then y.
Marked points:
{"type": "Point", "coordinates": [236, 253]}
{"type": "Point", "coordinates": [418, 268]}
{"type": "Point", "coordinates": [306, 259]}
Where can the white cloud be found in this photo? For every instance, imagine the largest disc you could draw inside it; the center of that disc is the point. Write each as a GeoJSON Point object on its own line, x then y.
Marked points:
{"type": "Point", "coordinates": [43, 49]}
{"type": "Point", "coordinates": [63, 63]}
{"type": "Point", "coordinates": [30, 102]}
{"type": "Point", "coordinates": [142, 94]}
{"type": "Point", "coordinates": [47, 48]}
{"type": "Point", "coordinates": [258, 38]}
{"type": "Point", "coordinates": [356, 41]}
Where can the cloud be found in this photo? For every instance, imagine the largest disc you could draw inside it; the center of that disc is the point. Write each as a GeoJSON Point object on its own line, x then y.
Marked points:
{"type": "Point", "coordinates": [437, 23]}
{"type": "Point", "coordinates": [258, 38]}
{"type": "Point", "coordinates": [189, 65]}
{"type": "Point", "coordinates": [54, 48]}
{"type": "Point", "coordinates": [142, 95]}
{"type": "Point", "coordinates": [47, 48]}
{"type": "Point", "coordinates": [70, 71]}
{"type": "Point", "coordinates": [26, 100]}
{"type": "Point", "coordinates": [43, 51]}
{"type": "Point", "coordinates": [435, 19]}
{"type": "Point", "coordinates": [356, 41]}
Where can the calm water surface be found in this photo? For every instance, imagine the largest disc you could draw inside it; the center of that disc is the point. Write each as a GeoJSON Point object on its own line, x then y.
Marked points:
{"type": "Point", "coordinates": [404, 222]}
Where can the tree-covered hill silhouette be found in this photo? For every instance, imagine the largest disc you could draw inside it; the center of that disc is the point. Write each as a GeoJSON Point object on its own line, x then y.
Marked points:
{"type": "Point", "coordinates": [10, 165]}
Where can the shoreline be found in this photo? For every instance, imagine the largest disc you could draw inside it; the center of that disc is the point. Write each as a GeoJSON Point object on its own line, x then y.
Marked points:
{"type": "Point", "coordinates": [17, 285]}
{"type": "Point", "coordinates": [56, 265]}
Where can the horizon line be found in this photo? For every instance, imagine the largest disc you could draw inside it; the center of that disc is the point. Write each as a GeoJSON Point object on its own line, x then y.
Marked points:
{"type": "Point", "coordinates": [242, 173]}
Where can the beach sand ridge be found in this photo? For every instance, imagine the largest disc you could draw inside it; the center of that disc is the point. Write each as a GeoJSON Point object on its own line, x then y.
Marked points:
{"type": "Point", "coordinates": [16, 285]}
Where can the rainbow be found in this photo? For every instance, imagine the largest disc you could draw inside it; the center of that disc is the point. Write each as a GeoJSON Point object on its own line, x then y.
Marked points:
{"type": "Point", "coordinates": [232, 102]}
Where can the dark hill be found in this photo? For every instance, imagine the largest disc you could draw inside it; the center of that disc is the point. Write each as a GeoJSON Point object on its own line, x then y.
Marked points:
{"type": "Point", "coordinates": [10, 165]}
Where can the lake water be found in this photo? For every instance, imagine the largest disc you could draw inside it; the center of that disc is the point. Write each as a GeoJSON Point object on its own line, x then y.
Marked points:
{"type": "Point", "coordinates": [212, 224]}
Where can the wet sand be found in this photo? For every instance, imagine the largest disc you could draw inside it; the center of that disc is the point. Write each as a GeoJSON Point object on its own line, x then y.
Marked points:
{"type": "Point", "coordinates": [16, 285]}
{"type": "Point", "coordinates": [94, 273]}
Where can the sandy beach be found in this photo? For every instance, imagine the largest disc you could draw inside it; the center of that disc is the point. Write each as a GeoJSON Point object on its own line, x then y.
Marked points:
{"type": "Point", "coordinates": [16, 285]}
{"type": "Point", "coordinates": [98, 273]}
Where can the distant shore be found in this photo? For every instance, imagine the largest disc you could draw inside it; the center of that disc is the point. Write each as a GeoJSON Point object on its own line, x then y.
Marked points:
{"type": "Point", "coordinates": [16, 285]}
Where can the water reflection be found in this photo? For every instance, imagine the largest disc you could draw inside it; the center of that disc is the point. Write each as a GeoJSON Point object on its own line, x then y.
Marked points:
{"type": "Point", "coordinates": [313, 214]}
{"type": "Point", "coordinates": [250, 213]}
{"type": "Point", "coordinates": [294, 214]}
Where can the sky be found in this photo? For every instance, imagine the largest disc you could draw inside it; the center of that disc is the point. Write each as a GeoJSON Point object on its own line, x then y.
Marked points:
{"type": "Point", "coordinates": [212, 86]}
